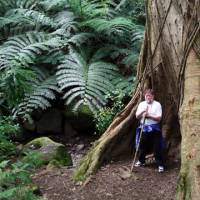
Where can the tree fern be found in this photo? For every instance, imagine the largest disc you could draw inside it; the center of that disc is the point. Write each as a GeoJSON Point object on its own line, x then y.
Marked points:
{"type": "Point", "coordinates": [85, 83]}
{"type": "Point", "coordinates": [6, 5]}
{"type": "Point", "coordinates": [118, 24]}
{"type": "Point", "coordinates": [80, 38]}
{"type": "Point", "coordinates": [45, 32]}
{"type": "Point", "coordinates": [66, 21]}
{"type": "Point", "coordinates": [26, 48]}
{"type": "Point", "coordinates": [86, 9]}
{"type": "Point", "coordinates": [18, 24]}
{"type": "Point", "coordinates": [20, 16]}
{"type": "Point", "coordinates": [13, 21]}
{"type": "Point", "coordinates": [27, 4]}
{"type": "Point", "coordinates": [12, 4]}
{"type": "Point", "coordinates": [117, 29]}
{"type": "Point", "coordinates": [37, 18]}
{"type": "Point", "coordinates": [54, 5]}
{"type": "Point", "coordinates": [44, 93]}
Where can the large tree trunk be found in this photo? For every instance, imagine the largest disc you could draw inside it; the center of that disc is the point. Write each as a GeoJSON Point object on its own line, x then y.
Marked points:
{"type": "Point", "coordinates": [170, 64]}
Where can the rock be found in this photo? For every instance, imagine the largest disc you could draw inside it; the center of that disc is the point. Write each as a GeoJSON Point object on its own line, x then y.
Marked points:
{"type": "Point", "coordinates": [125, 173]}
{"type": "Point", "coordinates": [80, 147]}
{"type": "Point", "coordinates": [54, 154]}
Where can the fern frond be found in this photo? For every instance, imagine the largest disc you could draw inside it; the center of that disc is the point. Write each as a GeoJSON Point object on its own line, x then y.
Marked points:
{"type": "Point", "coordinates": [80, 38]}
{"type": "Point", "coordinates": [6, 5]}
{"type": "Point", "coordinates": [36, 17]}
{"type": "Point", "coordinates": [104, 51]}
{"type": "Point", "coordinates": [66, 20]}
{"type": "Point", "coordinates": [125, 84]}
{"type": "Point", "coordinates": [131, 58]}
{"type": "Point", "coordinates": [119, 25]}
{"type": "Point", "coordinates": [14, 21]}
{"type": "Point", "coordinates": [26, 48]}
{"type": "Point", "coordinates": [27, 4]}
{"type": "Point", "coordinates": [85, 83]}
{"type": "Point", "coordinates": [12, 4]}
{"type": "Point", "coordinates": [88, 9]}
{"type": "Point", "coordinates": [137, 37]}
{"type": "Point", "coordinates": [54, 5]}
{"type": "Point", "coordinates": [41, 98]}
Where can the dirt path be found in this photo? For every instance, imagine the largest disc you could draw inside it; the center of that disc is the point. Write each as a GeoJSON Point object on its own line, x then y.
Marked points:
{"type": "Point", "coordinates": [108, 183]}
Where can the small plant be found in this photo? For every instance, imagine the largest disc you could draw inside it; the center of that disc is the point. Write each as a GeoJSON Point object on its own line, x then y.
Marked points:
{"type": "Point", "coordinates": [8, 129]}
{"type": "Point", "coordinates": [32, 160]}
{"type": "Point", "coordinates": [15, 182]}
{"type": "Point", "coordinates": [105, 115]}
{"type": "Point", "coordinates": [15, 179]}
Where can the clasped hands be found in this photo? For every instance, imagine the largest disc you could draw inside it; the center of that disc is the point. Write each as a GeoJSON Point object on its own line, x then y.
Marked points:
{"type": "Point", "coordinates": [145, 114]}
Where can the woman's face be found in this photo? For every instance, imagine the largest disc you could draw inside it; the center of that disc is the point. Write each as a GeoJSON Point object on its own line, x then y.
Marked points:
{"type": "Point", "coordinates": [149, 98]}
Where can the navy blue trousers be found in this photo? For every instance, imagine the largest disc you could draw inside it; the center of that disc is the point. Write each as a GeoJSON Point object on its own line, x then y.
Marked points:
{"type": "Point", "coordinates": [151, 141]}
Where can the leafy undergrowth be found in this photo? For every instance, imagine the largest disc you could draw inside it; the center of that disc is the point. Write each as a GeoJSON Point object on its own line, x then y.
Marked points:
{"type": "Point", "coordinates": [15, 178]}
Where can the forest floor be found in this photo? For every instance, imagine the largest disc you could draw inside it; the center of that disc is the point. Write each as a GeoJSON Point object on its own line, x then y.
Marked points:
{"type": "Point", "coordinates": [110, 182]}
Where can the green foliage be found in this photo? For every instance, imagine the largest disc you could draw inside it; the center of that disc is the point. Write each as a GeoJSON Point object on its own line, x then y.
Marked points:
{"type": "Point", "coordinates": [8, 129]}
{"type": "Point", "coordinates": [15, 178]}
{"type": "Point", "coordinates": [124, 84]}
{"type": "Point", "coordinates": [43, 94]}
{"type": "Point", "coordinates": [132, 8]}
{"type": "Point", "coordinates": [24, 49]}
{"type": "Point", "coordinates": [116, 25]}
{"type": "Point", "coordinates": [88, 9]}
{"type": "Point", "coordinates": [14, 84]}
{"type": "Point", "coordinates": [85, 83]}
{"type": "Point", "coordinates": [32, 160]}
{"type": "Point", "coordinates": [55, 35]}
{"type": "Point", "coordinates": [54, 5]}
{"type": "Point", "coordinates": [77, 50]}
{"type": "Point", "coordinates": [16, 182]}
{"type": "Point", "coordinates": [104, 116]}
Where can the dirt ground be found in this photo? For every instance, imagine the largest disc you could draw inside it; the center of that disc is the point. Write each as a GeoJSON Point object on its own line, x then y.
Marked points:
{"type": "Point", "coordinates": [109, 183]}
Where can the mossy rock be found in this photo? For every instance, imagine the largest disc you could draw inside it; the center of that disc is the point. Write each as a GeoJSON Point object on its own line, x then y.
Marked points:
{"type": "Point", "coordinates": [52, 152]}
{"type": "Point", "coordinates": [82, 110]}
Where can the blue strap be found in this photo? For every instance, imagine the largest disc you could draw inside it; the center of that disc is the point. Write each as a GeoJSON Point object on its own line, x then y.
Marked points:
{"type": "Point", "coordinates": [148, 129]}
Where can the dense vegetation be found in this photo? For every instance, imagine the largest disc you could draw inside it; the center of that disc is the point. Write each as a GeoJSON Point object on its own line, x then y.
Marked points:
{"type": "Point", "coordinates": [76, 52]}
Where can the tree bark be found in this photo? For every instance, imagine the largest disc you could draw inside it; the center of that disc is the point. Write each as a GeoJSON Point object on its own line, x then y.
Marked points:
{"type": "Point", "coordinates": [170, 64]}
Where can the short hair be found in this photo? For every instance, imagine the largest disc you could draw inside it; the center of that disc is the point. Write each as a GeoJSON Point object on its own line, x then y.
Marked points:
{"type": "Point", "coordinates": [149, 91]}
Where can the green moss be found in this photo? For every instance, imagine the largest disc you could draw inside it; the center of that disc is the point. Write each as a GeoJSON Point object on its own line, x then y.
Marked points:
{"type": "Point", "coordinates": [183, 191]}
{"type": "Point", "coordinates": [63, 157]}
{"type": "Point", "coordinates": [39, 142]}
{"type": "Point", "coordinates": [53, 164]}
{"type": "Point", "coordinates": [84, 109]}
{"type": "Point", "coordinates": [81, 173]}
{"type": "Point", "coordinates": [52, 152]}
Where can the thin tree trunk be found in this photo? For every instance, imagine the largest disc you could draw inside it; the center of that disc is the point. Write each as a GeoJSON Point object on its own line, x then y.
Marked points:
{"type": "Point", "coordinates": [170, 63]}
